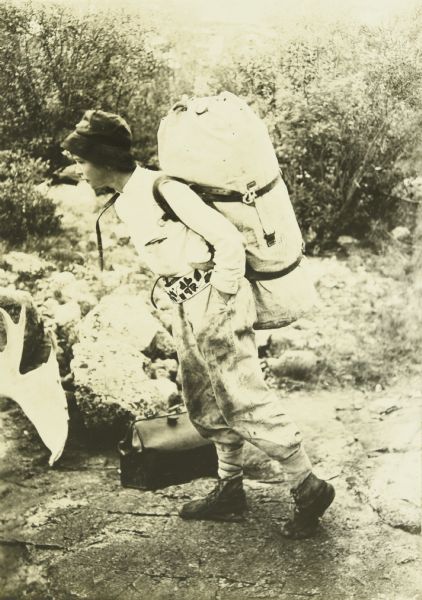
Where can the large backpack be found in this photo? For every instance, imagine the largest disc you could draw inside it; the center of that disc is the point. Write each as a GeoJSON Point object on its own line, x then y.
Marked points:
{"type": "Point", "coordinates": [221, 149]}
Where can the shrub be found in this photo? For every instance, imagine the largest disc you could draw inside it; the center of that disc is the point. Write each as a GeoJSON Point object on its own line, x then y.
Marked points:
{"type": "Point", "coordinates": [344, 113]}
{"type": "Point", "coordinates": [24, 211]}
{"type": "Point", "coordinates": [57, 64]}
{"type": "Point", "coordinates": [400, 322]}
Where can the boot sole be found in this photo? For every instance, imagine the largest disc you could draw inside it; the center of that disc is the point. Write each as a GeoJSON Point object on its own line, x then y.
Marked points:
{"type": "Point", "coordinates": [235, 516]}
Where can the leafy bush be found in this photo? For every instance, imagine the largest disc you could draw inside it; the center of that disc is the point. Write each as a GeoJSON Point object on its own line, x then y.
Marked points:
{"type": "Point", "coordinates": [344, 113]}
{"type": "Point", "coordinates": [24, 211]}
{"type": "Point", "coordinates": [400, 322]}
{"type": "Point", "coordinates": [343, 106]}
{"type": "Point", "coordinates": [57, 64]}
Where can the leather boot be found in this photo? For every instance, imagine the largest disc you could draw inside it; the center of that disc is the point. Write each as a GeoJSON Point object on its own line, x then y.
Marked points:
{"type": "Point", "coordinates": [226, 502]}
{"type": "Point", "coordinates": [312, 498]}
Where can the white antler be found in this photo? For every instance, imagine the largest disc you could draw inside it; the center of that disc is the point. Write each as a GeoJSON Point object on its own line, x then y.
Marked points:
{"type": "Point", "coordinates": [11, 355]}
{"type": "Point", "coordinates": [39, 392]}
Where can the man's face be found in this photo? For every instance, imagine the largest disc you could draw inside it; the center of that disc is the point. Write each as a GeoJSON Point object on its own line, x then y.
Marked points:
{"type": "Point", "coordinates": [96, 176]}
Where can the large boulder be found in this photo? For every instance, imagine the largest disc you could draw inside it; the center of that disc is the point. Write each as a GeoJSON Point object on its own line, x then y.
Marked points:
{"type": "Point", "coordinates": [111, 371]}
{"type": "Point", "coordinates": [111, 386]}
{"type": "Point", "coordinates": [120, 317]}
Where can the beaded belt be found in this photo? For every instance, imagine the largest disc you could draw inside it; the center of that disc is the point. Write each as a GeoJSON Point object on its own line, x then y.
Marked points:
{"type": "Point", "coordinates": [180, 289]}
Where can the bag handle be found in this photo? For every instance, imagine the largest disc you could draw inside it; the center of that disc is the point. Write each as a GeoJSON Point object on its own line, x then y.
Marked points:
{"type": "Point", "coordinates": [173, 414]}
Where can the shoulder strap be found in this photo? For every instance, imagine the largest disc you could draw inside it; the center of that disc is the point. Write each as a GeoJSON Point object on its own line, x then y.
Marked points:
{"type": "Point", "coordinates": [169, 213]}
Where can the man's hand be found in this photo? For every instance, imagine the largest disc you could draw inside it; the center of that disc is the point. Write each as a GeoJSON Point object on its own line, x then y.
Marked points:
{"type": "Point", "coordinates": [203, 266]}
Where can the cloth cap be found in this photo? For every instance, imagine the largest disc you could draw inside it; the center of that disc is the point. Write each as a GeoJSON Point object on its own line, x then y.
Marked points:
{"type": "Point", "coordinates": [102, 138]}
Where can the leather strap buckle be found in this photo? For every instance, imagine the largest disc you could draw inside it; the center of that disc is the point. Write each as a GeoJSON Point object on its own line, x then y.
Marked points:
{"type": "Point", "coordinates": [250, 195]}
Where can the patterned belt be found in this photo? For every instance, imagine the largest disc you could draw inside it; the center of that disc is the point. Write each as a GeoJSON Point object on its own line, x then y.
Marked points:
{"type": "Point", "coordinates": [180, 289]}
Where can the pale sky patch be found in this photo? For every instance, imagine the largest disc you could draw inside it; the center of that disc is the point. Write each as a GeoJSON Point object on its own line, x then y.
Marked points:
{"type": "Point", "coordinates": [371, 12]}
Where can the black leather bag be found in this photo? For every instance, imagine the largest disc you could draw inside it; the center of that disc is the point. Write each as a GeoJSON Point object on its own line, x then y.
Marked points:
{"type": "Point", "coordinates": [164, 450]}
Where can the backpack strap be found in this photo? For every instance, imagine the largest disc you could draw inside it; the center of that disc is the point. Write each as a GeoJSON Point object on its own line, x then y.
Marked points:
{"type": "Point", "coordinates": [169, 214]}
{"type": "Point", "coordinates": [211, 194]}
{"type": "Point", "coordinates": [215, 194]}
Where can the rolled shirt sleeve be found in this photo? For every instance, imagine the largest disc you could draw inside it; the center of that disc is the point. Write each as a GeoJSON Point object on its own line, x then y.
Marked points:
{"type": "Point", "coordinates": [227, 241]}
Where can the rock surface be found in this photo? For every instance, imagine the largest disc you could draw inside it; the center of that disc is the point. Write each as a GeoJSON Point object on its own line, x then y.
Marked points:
{"type": "Point", "coordinates": [27, 266]}
{"type": "Point", "coordinates": [121, 317]}
{"type": "Point", "coordinates": [111, 370]}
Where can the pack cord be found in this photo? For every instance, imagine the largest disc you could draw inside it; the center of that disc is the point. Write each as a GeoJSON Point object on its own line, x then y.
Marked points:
{"type": "Point", "coordinates": [153, 290]}
{"type": "Point", "coordinates": [106, 206]}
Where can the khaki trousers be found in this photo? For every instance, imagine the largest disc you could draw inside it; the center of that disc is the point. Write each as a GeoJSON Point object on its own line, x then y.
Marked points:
{"type": "Point", "coordinates": [224, 390]}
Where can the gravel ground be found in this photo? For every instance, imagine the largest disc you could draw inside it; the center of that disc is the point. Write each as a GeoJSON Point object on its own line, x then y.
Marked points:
{"type": "Point", "coordinates": [73, 533]}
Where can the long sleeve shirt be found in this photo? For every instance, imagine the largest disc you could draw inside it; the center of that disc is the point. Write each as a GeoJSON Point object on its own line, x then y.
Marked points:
{"type": "Point", "coordinates": [173, 248]}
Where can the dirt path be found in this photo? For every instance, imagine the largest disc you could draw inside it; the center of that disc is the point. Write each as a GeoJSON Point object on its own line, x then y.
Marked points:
{"type": "Point", "coordinates": [72, 533]}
